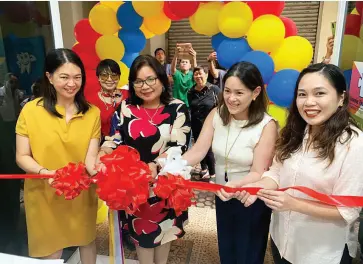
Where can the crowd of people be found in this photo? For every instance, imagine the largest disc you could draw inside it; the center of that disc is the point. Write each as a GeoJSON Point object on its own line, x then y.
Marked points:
{"type": "Point", "coordinates": [236, 142]}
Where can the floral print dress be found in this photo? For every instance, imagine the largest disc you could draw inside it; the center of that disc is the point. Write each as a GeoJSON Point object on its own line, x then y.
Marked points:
{"type": "Point", "coordinates": [152, 132]}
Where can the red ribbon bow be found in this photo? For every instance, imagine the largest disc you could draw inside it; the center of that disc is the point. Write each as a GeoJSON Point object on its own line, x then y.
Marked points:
{"type": "Point", "coordinates": [175, 190]}
{"type": "Point", "coordinates": [123, 181]}
{"type": "Point", "coordinates": [71, 180]}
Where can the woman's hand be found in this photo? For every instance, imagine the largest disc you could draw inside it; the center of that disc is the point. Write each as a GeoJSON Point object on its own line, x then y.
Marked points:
{"type": "Point", "coordinates": [225, 196]}
{"type": "Point", "coordinates": [153, 168]}
{"type": "Point", "coordinates": [48, 172]}
{"type": "Point", "coordinates": [245, 197]}
{"type": "Point", "coordinates": [277, 200]}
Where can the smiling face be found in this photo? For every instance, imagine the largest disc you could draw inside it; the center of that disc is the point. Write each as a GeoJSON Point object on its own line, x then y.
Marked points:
{"type": "Point", "coordinates": [238, 97]}
{"type": "Point", "coordinates": [108, 80]}
{"type": "Point", "coordinates": [317, 100]}
{"type": "Point", "coordinates": [66, 80]}
{"type": "Point", "coordinates": [147, 86]}
{"type": "Point", "coordinates": [200, 77]}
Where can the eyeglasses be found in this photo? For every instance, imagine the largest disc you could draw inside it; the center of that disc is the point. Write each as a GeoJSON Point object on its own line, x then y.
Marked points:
{"type": "Point", "coordinates": [150, 81]}
{"type": "Point", "coordinates": [104, 76]}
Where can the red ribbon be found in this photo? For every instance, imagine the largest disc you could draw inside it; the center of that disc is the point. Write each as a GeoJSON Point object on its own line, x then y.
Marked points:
{"type": "Point", "coordinates": [68, 181]}
{"type": "Point", "coordinates": [176, 191]}
{"type": "Point", "coordinates": [71, 180]}
{"type": "Point", "coordinates": [123, 182]}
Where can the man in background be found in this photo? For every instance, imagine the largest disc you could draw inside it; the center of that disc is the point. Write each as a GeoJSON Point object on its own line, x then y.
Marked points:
{"type": "Point", "coordinates": [159, 54]}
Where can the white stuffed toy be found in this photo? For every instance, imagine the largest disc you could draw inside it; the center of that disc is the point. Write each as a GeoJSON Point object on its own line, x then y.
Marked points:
{"type": "Point", "coordinates": [175, 164]}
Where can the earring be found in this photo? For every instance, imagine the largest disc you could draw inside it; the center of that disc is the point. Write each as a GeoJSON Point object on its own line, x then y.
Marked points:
{"type": "Point", "coordinates": [163, 89]}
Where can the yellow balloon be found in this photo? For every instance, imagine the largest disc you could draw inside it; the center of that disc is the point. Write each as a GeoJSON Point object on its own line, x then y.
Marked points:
{"type": "Point", "coordinates": [148, 8]}
{"type": "Point", "coordinates": [279, 113]}
{"type": "Point", "coordinates": [110, 47]}
{"type": "Point", "coordinates": [206, 18]}
{"type": "Point", "coordinates": [266, 33]}
{"type": "Point", "coordinates": [352, 50]}
{"type": "Point", "coordinates": [235, 19]}
{"type": "Point", "coordinates": [193, 25]}
{"type": "Point", "coordinates": [103, 20]}
{"type": "Point", "coordinates": [295, 53]}
{"type": "Point", "coordinates": [124, 78]}
{"type": "Point", "coordinates": [113, 4]}
{"type": "Point", "coordinates": [102, 212]}
{"type": "Point", "coordinates": [148, 34]}
{"type": "Point", "coordinates": [354, 12]}
{"type": "Point", "coordinates": [158, 24]}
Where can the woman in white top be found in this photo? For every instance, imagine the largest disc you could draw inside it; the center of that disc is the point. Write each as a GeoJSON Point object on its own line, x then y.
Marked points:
{"type": "Point", "coordinates": [319, 148]}
{"type": "Point", "coordinates": [242, 137]}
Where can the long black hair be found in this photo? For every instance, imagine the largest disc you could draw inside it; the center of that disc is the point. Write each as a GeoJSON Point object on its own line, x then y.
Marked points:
{"type": "Point", "coordinates": [55, 59]}
{"type": "Point", "coordinates": [323, 143]}
{"type": "Point", "coordinates": [147, 60]}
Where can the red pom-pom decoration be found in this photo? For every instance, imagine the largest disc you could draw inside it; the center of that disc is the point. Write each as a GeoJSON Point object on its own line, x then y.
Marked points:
{"type": "Point", "coordinates": [71, 180]}
{"type": "Point", "coordinates": [123, 182]}
{"type": "Point", "coordinates": [173, 188]}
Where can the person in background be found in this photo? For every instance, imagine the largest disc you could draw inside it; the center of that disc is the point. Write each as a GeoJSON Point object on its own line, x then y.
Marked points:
{"type": "Point", "coordinates": [108, 97]}
{"type": "Point", "coordinates": [152, 122]}
{"type": "Point", "coordinates": [216, 71]}
{"type": "Point", "coordinates": [319, 148]}
{"type": "Point", "coordinates": [202, 98]}
{"type": "Point", "coordinates": [329, 50]}
{"type": "Point", "coordinates": [36, 92]}
{"type": "Point", "coordinates": [242, 136]}
{"type": "Point", "coordinates": [183, 78]}
{"type": "Point", "coordinates": [159, 54]}
{"type": "Point", "coordinates": [52, 131]}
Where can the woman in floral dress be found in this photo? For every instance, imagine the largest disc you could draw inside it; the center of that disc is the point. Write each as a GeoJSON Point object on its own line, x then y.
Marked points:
{"type": "Point", "coordinates": [152, 122]}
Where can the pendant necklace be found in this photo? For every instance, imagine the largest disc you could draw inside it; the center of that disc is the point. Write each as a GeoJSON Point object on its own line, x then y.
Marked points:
{"type": "Point", "coordinates": [226, 155]}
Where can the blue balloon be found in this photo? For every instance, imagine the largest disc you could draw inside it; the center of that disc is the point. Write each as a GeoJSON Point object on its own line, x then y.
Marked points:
{"type": "Point", "coordinates": [230, 51]}
{"type": "Point", "coordinates": [127, 16]}
{"type": "Point", "coordinates": [217, 39]}
{"type": "Point", "coordinates": [134, 40]}
{"type": "Point", "coordinates": [129, 58]}
{"type": "Point", "coordinates": [263, 62]}
{"type": "Point", "coordinates": [348, 77]}
{"type": "Point", "coordinates": [281, 87]}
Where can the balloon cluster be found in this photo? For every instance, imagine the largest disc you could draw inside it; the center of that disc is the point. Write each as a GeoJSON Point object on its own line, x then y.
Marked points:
{"type": "Point", "coordinates": [253, 31]}
{"type": "Point", "coordinates": [352, 48]}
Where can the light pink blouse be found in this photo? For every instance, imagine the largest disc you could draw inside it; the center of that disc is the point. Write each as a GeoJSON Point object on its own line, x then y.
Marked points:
{"type": "Point", "coordinates": [301, 238]}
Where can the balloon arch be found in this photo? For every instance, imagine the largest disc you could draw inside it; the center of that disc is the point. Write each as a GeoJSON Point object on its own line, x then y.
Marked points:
{"type": "Point", "coordinates": [239, 31]}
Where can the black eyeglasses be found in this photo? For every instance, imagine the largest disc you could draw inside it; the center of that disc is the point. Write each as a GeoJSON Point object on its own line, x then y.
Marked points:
{"type": "Point", "coordinates": [150, 81]}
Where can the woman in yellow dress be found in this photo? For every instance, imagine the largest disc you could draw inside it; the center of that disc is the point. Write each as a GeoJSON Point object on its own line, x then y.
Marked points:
{"type": "Point", "coordinates": [56, 129]}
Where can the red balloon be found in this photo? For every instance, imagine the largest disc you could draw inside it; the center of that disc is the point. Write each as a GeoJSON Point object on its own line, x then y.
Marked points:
{"type": "Point", "coordinates": [92, 86]}
{"type": "Point", "coordinates": [90, 61]}
{"type": "Point", "coordinates": [290, 26]}
{"type": "Point", "coordinates": [84, 48]}
{"type": "Point", "coordinates": [84, 33]}
{"type": "Point", "coordinates": [352, 25]}
{"type": "Point", "coordinates": [168, 12]}
{"type": "Point", "coordinates": [260, 8]}
{"type": "Point", "coordinates": [183, 9]}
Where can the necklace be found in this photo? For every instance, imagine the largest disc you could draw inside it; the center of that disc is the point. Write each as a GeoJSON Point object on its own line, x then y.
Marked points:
{"type": "Point", "coordinates": [151, 117]}
{"type": "Point", "coordinates": [226, 155]}
{"type": "Point", "coordinates": [113, 97]}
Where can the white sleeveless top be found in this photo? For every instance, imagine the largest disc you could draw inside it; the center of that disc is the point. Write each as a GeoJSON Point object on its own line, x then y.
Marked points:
{"type": "Point", "coordinates": [241, 156]}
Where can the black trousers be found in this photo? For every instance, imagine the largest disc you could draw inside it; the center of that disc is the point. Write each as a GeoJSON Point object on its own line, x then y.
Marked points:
{"type": "Point", "coordinates": [208, 162]}
{"type": "Point", "coordinates": [242, 231]}
{"type": "Point", "coordinates": [346, 258]}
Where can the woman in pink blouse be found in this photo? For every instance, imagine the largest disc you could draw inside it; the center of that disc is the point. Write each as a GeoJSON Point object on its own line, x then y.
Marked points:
{"type": "Point", "coordinates": [320, 148]}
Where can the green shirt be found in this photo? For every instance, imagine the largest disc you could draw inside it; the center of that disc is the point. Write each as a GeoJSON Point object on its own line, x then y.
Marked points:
{"type": "Point", "coordinates": [182, 83]}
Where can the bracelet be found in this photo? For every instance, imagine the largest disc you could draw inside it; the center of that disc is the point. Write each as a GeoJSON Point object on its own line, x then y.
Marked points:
{"type": "Point", "coordinates": [41, 170]}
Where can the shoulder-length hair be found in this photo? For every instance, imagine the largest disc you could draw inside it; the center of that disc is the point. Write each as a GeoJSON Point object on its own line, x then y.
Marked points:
{"type": "Point", "coordinates": [323, 143]}
{"type": "Point", "coordinates": [55, 59]}
{"type": "Point", "coordinates": [147, 60]}
{"type": "Point", "coordinates": [251, 77]}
